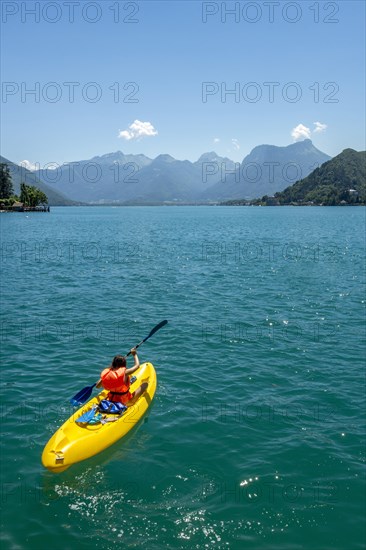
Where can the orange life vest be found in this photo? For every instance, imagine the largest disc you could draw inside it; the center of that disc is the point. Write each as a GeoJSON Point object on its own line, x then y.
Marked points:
{"type": "Point", "coordinates": [115, 380]}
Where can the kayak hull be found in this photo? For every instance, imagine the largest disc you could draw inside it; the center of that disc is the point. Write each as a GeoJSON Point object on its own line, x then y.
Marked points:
{"type": "Point", "coordinates": [74, 442]}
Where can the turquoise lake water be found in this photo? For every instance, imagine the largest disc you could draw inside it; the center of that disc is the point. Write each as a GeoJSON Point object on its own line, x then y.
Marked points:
{"type": "Point", "coordinates": [255, 439]}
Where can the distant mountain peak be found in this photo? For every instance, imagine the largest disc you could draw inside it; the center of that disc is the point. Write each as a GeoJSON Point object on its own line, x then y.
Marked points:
{"type": "Point", "coordinates": [303, 144]}
{"type": "Point", "coordinates": [213, 157]}
{"type": "Point", "coordinates": [164, 158]}
{"type": "Point", "coordinates": [208, 155]}
{"type": "Point", "coordinates": [106, 155]}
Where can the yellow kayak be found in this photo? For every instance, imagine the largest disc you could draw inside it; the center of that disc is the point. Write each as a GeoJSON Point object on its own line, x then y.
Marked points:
{"type": "Point", "coordinates": [74, 442]}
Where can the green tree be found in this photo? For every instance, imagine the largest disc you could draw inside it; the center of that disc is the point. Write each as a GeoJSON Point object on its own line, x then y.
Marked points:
{"type": "Point", "coordinates": [6, 185]}
{"type": "Point", "coordinates": [32, 196]}
{"type": "Point", "coordinates": [24, 194]}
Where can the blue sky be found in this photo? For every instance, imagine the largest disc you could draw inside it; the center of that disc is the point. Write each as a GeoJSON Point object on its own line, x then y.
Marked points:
{"type": "Point", "coordinates": [176, 60]}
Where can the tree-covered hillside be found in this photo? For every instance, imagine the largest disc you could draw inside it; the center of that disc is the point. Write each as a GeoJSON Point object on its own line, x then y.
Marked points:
{"type": "Point", "coordinates": [338, 181]}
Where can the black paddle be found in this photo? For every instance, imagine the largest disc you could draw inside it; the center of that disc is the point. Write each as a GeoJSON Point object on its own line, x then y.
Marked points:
{"type": "Point", "coordinates": [84, 394]}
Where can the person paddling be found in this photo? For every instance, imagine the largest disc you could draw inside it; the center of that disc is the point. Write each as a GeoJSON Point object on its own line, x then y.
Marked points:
{"type": "Point", "coordinates": [116, 379]}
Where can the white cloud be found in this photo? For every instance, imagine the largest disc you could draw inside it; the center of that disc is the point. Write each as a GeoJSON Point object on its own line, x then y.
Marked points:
{"type": "Point", "coordinates": [138, 130]}
{"type": "Point", "coordinates": [236, 144]}
{"type": "Point", "coordinates": [319, 127]}
{"type": "Point", "coordinates": [29, 165]}
{"type": "Point", "coordinates": [216, 140]}
{"type": "Point", "coordinates": [301, 132]}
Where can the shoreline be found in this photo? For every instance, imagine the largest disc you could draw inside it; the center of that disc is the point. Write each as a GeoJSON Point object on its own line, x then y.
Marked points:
{"type": "Point", "coordinates": [158, 205]}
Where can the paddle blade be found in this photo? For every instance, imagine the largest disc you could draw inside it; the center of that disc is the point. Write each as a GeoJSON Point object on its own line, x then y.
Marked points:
{"type": "Point", "coordinates": [82, 396]}
{"type": "Point", "coordinates": [158, 327]}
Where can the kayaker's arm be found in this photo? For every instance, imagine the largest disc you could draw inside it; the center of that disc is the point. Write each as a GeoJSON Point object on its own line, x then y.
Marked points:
{"type": "Point", "coordinates": [99, 383]}
{"type": "Point", "coordinates": [136, 365]}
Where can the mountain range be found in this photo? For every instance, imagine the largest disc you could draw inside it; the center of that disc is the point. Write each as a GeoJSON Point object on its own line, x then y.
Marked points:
{"type": "Point", "coordinates": [116, 178]}
{"type": "Point", "coordinates": [120, 178]}
{"type": "Point", "coordinates": [268, 169]}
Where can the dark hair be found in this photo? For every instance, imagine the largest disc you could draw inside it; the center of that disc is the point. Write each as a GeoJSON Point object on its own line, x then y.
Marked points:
{"type": "Point", "coordinates": [118, 361]}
